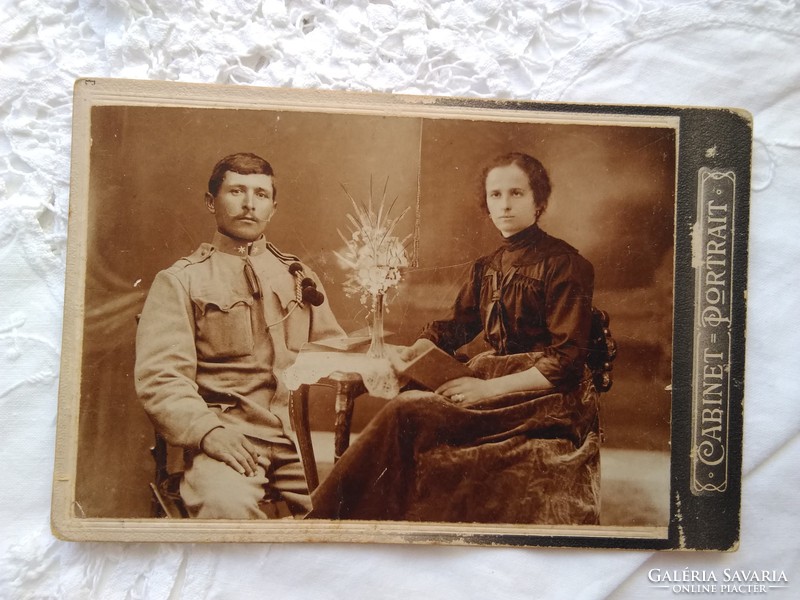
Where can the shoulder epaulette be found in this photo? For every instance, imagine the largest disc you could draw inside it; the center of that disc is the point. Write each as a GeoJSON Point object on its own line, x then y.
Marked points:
{"type": "Point", "coordinates": [201, 254]}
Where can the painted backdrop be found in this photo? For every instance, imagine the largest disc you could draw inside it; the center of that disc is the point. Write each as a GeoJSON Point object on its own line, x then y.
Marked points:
{"type": "Point", "coordinates": [613, 195]}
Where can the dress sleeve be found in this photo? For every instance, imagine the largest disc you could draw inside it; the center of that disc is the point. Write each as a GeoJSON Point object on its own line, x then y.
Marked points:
{"type": "Point", "coordinates": [166, 365]}
{"type": "Point", "coordinates": [464, 322]}
{"type": "Point", "coordinates": [568, 314]}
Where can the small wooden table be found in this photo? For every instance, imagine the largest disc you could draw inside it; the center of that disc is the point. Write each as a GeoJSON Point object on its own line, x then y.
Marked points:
{"type": "Point", "coordinates": [349, 374]}
{"type": "Point", "coordinates": [346, 386]}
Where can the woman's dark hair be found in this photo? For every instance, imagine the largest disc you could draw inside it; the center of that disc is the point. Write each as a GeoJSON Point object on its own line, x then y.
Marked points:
{"type": "Point", "coordinates": [535, 171]}
{"type": "Point", "coordinates": [243, 163]}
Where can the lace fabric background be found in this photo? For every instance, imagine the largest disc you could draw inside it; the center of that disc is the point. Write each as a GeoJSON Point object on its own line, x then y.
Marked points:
{"type": "Point", "coordinates": [731, 53]}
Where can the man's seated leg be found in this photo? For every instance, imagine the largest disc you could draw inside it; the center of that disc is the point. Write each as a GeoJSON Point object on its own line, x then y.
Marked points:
{"type": "Point", "coordinates": [288, 478]}
{"type": "Point", "coordinates": [211, 489]}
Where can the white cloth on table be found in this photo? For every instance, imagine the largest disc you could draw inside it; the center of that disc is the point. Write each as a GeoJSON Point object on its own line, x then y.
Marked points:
{"type": "Point", "coordinates": [377, 373]}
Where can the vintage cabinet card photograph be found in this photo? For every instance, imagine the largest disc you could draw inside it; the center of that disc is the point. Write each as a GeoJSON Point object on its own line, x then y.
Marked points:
{"type": "Point", "coordinates": [311, 316]}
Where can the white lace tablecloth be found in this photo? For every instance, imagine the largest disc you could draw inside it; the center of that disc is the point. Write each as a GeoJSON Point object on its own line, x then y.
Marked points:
{"type": "Point", "coordinates": [733, 53]}
{"type": "Point", "coordinates": [377, 374]}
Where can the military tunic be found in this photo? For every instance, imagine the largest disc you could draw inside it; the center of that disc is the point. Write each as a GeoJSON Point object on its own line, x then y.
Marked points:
{"type": "Point", "coordinates": [212, 342]}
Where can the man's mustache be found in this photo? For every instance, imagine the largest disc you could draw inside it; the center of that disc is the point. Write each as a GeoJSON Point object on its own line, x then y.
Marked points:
{"type": "Point", "coordinates": [251, 218]}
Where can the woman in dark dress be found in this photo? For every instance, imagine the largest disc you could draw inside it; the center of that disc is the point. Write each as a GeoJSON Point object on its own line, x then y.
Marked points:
{"type": "Point", "coordinates": [519, 442]}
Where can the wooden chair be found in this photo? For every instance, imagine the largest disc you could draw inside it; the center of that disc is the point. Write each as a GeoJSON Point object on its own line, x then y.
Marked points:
{"type": "Point", "coordinates": [165, 487]}
{"type": "Point", "coordinates": [602, 351]}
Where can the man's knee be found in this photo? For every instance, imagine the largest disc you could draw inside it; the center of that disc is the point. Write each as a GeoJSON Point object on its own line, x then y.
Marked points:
{"type": "Point", "coordinates": [212, 490]}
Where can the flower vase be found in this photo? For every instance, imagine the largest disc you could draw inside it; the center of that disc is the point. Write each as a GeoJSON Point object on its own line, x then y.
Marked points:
{"type": "Point", "coordinates": [377, 348]}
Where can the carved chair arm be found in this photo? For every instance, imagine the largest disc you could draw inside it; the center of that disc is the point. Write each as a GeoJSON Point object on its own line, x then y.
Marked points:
{"type": "Point", "coordinates": [602, 351]}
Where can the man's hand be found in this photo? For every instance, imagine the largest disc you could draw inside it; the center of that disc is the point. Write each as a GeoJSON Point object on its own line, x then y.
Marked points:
{"type": "Point", "coordinates": [232, 448]}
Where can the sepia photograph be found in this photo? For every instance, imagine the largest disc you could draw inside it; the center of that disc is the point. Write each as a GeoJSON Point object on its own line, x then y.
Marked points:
{"type": "Point", "coordinates": [305, 316]}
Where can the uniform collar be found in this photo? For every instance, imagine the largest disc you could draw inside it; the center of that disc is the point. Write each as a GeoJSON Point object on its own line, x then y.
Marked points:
{"type": "Point", "coordinates": [229, 245]}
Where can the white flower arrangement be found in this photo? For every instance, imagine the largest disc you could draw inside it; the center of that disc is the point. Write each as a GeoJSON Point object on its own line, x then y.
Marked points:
{"type": "Point", "coordinates": [373, 255]}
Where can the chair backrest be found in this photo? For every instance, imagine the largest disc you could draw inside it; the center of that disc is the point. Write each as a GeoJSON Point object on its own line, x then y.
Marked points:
{"type": "Point", "coordinates": [602, 351]}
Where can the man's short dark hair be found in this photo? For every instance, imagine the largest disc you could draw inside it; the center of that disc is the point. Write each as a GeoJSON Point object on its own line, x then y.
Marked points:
{"type": "Point", "coordinates": [243, 163]}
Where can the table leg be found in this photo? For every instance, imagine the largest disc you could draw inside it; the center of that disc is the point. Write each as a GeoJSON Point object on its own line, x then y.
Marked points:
{"type": "Point", "coordinates": [347, 386]}
{"type": "Point", "coordinates": [344, 415]}
{"type": "Point", "coordinates": [298, 409]}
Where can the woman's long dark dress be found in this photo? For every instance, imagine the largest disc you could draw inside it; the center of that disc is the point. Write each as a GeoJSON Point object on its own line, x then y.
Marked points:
{"type": "Point", "coordinates": [527, 457]}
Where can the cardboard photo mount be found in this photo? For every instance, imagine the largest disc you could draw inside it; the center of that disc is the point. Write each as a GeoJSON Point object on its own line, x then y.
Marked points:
{"type": "Point", "coordinates": [657, 197]}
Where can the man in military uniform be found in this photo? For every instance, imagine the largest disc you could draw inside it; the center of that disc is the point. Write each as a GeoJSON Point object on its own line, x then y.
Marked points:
{"type": "Point", "coordinates": [216, 332]}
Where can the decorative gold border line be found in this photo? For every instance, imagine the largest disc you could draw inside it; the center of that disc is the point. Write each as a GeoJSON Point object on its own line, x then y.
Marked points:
{"type": "Point", "coordinates": [712, 259]}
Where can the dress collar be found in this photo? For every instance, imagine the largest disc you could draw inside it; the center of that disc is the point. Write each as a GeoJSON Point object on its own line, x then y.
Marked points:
{"type": "Point", "coordinates": [523, 239]}
{"type": "Point", "coordinates": [229, 245]}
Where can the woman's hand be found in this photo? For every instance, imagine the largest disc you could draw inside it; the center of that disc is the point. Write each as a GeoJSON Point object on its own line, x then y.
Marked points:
{"type": "Point", "coordinates": [405, 354]}
{"type": "Point", "coordinates": [409, 353]}
{"type": "Point", "coordinates": [466, 390]}
{"type": "Point", "coordinates": [470, 389]}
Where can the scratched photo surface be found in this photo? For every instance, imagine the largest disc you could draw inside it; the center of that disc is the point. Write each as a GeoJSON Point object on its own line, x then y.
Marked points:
{"type": "Point", "coordinates": [613, 199]}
